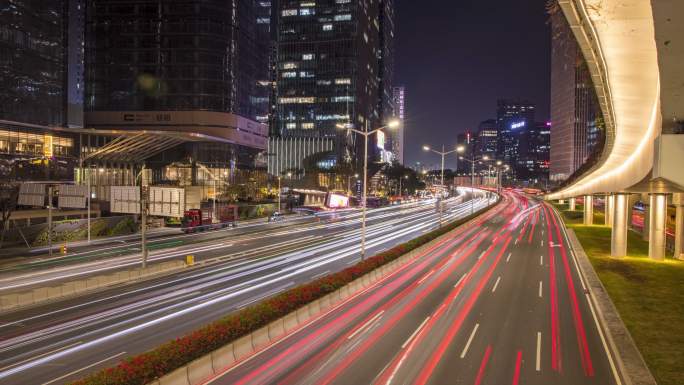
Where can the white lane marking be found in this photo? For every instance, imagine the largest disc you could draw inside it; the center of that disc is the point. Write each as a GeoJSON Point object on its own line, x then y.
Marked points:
{"type": "Point", "coordinates": [541, 260]}
{"type": "Point", "coordinates": [481, 254]}
{"type": "Point", "coordinates": [540, 289]}
{"type": "Point", "coordinates": [84, 368]}
{"type": "Point", "coordinates": [426, 277]}
{"type": "Point", "coordinates": [538, 362]}
{"type": "Point", "coordinates": [508, 258]}
{"type": "Point", "coordinates": [40, 355]}
{"type": "Point", "coordinates": [496, 284]}
{"type": "Point", "coordinates": [470, 339]}
{"type": "Point", "coordinates": [516, 241]}
{"type": "Point", "coordinates": [590, 301]}
{"type": "Point", "coordinates": [542, 243]}
{"type": "Point", "coordinates": [370, 321]}
{"type": "Point", "coordinates": [461, 279]}
{"type": "Point", "coordinates": [408, 341]}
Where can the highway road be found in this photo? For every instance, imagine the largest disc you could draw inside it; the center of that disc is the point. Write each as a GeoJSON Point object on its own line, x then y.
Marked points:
{"type": "Point", "coordinates": [105, 257]}
{"type": "Point", "coordinates": [498, 302]}
{"type": "Point", "coordinates": [65, 340]}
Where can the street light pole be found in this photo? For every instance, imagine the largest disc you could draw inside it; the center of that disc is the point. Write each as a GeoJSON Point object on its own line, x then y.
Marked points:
{"type": "Point", "coordinates": [365, 135]}
{"type": "Point", "coordinates": [442, 154]}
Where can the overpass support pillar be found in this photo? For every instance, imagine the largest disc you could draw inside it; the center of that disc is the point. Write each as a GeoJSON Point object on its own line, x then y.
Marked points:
{"type": "Point", "coordinates": [572, 204]}
{"type": "Point", "coordinates": [658, 221]}
{"type": "Point", "coordinates": [678, 200]}
{"type": "Point", "coordinates": [588, 210]}
{"type": "Point", "coordinates": [608, 209]}
{"type": "Point", "coordinates": [620, 220]}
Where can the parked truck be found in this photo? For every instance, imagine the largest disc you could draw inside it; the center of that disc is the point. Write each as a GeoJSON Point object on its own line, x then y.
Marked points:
{"type": "Point", "coordinates": [204, 218]}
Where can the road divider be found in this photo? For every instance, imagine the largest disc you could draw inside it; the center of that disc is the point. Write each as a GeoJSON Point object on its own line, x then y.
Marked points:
{"type": "Point", "coordinates": [219, 346]}
{"type": "Point", "coordinates": [40, 295]}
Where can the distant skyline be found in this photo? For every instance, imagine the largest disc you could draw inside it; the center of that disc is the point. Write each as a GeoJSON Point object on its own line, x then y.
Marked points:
{"type": "Point", "coordinates": [457, 58]}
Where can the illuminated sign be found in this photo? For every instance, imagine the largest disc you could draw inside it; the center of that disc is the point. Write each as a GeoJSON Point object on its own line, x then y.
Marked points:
{"type": "Point", "coordinates": [337, 201]}
{"type": "Point", "coordinates": [381, 140]}
{"type": "Point", "coordinates": [518, 125]}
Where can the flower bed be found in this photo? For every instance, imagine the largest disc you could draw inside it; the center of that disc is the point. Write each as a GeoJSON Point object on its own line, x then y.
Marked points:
{"type": "Point", "coordinates": [146, 367]}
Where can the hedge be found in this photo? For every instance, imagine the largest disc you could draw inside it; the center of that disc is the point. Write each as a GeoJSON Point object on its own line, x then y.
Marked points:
{"type": "Point", "coordinates": [146, 367]}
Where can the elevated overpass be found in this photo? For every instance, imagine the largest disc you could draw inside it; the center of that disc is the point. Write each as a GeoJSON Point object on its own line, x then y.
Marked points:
{"type": "Point", "coordinates": [634, 50]}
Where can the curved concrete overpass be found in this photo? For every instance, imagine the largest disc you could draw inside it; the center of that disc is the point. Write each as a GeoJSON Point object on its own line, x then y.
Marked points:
{"type": "Point", "coordinates": [634, 50]}
{"type": "Point", "coordinates": [617, 38]}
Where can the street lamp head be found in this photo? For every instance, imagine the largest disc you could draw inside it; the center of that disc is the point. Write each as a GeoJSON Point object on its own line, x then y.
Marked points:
{"type": "Point", "coordinates": [394, 123]}
{"type": "Point", "coordinates": [344, 126]}
{"type": "Point", "coordinates": [486, 157]}
{"type": "Point", "coordinates": [289, 174]}
{"type": "Point", "coordinates": [356, 175]}
{"type": "Point", "coordinates": [460, 158]}
{"type": "Point", "coordinates": [426, 148]}
{"type": "Point", "coordinates": [460, 149]}
{"type": "Point", "coordinates": [499, 163]}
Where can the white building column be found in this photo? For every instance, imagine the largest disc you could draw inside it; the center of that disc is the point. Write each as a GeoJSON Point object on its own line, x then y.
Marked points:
{"type": "Point", "coordinates": [572, 204]}
{"type": "Point", "coordinates": [620, 216]}
{"type": "Point", "coordinates": [608, 209]}
{"type": "Point", "coordinates": [656, 233]}
{"type": "Point", "coordinates": [588, 210]}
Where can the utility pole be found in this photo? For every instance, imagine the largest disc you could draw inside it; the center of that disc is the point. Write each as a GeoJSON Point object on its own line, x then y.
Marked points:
{"type": "Point", "coordinates": [50, 220]}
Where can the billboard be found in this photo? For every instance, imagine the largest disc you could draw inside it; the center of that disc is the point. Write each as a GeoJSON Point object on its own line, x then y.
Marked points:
{"type": "Point", "coordinates": [72, 196]}
{"type": "Point", "coordinates": [337, 201]}
{"type": "Point", "coordinates": [125, 199]}
{"type": "Point", "coordinates": [31, 194]}
{"type": "Point", "coordinates": [167, 202]}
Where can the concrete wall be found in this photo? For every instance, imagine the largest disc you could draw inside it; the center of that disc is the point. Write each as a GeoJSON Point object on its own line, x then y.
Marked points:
{"type": "Point", "coordinates": [13, 301]}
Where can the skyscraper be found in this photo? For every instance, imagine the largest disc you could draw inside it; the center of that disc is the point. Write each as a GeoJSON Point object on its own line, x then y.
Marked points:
{"type": "Point", "coordinates": [487, 139]}
{"type": "Point", "coordinates": [575, 113]}
{"type": "Point", "coordinates": [332, 69]}
{"type": "Point", "coordinates": [34, 47]}
{"type": "Point", "coordinates": [189, 66]}
{"type": "Point", "coordinates": [513, 119]}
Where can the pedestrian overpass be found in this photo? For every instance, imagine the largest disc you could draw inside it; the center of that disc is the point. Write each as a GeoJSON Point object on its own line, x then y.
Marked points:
{"type": "Point", "coordinates": [634, 50]}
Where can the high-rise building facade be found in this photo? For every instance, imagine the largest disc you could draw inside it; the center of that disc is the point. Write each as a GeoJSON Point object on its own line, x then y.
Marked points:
{"type": "Point", "coordinates": [332, 70]}
{"type": "Point", "coordinates": [513, 119]}
{"type": "Point", "coordinates": [575, 113]}
{"type": "Point", "coordinates": [199, 67]}
{"type": "Point", "coordinates": [487, 139]}
{"type": "Point", "coordinates": [399, 96]}
{"type": "Point", "coordinates": [34, 68]}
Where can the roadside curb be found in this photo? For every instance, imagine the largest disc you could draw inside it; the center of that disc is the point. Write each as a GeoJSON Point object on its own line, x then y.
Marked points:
{"type": "Point", "coordinates": [630, 363]}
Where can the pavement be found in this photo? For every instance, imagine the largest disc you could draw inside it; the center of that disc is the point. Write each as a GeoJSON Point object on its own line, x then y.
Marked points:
{"type": "Point", "coordinates": [500, 301]}
{"type": "Point", "coordinates": [63, 341]}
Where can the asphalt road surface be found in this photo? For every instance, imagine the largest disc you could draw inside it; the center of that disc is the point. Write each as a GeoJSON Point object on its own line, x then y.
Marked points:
{"type": "Point", "coordinates": [499, 302]}
{"type": "Point", "coordinates": [65, 340]}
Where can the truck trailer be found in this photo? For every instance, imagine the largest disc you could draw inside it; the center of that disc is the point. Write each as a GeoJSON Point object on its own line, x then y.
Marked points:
{"type": "Point", "coordinates": [204, 218]}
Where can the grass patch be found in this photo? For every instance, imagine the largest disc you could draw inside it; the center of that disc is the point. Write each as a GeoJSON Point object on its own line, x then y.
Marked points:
{"type": "Point", "coordinates": [648, 294]}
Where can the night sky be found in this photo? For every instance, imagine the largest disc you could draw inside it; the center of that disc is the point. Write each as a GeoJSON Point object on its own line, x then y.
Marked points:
{"type": "Point", "coordinates": [457, 57]}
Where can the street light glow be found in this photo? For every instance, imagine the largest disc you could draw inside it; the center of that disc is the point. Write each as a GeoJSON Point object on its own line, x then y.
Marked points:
{"type": "Point", "coordinates": [393, 123]}
{"type": "Point", "coordinates": [460, 149]}
{"type": "Point", "coordinates": [426, 148]}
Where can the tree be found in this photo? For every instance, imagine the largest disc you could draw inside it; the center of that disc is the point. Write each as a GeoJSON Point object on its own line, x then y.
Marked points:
{"type": "Point", "coordinates": [9, 193]}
